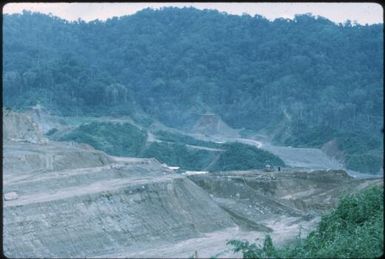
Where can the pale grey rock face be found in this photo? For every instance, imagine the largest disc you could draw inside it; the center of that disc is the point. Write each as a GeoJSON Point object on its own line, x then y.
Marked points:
{"type": "Point", "coordinates": [84, 203]}
{"type": "Point", "coordinates": [23, 158]}
{"type": "Point", "coordinates": [20, 127]}
{"type": "Point", "coordinates": [69, 200]}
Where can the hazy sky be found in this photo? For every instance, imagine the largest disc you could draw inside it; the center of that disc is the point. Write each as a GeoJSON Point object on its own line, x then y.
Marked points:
{"type": "Point", "coordinates": [338, 12]}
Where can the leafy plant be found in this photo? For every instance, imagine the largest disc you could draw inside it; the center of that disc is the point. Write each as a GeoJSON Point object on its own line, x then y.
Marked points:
{"type": "Point", "coordinates": [238, 156]}
{"type": "Point", "coordinates": [355, 229]}
{"type": "Point", "coordinates": [113, 138]}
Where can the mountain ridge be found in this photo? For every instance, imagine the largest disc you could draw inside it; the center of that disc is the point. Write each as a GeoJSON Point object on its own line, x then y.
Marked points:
{"type": "Point", "coordinates": [172, 64]}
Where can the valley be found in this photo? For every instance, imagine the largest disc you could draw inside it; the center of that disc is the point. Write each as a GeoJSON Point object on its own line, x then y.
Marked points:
{"type": "Point", "coordinates": [189, 133]}
{"type": "Point", "coordinates": [72, 200]}
{"type": "Point", "coordinates": [293, 157]}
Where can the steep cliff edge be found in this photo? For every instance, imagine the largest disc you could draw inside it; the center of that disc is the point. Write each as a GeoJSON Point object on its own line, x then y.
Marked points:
{"type": "Point", "coordinates": [63, 199]}
{"type": "Point", "coordinates": [20, 127]}
{"type": "Point", "coordinates": [102, 210]}
{"type": "Point", "coordinates": [70, 200]}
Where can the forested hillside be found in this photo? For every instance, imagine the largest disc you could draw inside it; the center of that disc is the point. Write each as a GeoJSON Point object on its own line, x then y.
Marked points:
{"type": "Point", "coordinates": [305, 81]}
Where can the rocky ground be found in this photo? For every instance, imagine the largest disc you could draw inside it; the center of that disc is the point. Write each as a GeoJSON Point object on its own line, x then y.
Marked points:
{"type": "Point", "coordinates": [69, 200]}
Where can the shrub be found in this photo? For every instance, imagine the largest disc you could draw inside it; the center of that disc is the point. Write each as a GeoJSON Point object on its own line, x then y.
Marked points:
{"type": "Point", "coordinates": [355, 229]}
{"type": "Point", "coordinates": [180, 155]}
{"type": "Point", "coordinates": [239, 156]}
{"type": "Point", "coordinates": [113, 138]}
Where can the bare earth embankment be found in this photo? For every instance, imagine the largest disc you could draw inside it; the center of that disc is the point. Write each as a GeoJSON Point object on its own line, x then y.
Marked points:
{"type": "Point", "coordinates": [70, 200]}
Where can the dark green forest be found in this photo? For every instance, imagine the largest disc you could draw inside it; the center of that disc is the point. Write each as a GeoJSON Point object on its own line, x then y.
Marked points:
{"type": "Point", "coordinates": [305, 81]}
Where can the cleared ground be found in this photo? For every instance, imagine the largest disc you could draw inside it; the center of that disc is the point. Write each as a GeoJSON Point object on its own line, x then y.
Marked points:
{"type": "Point", "coordinates": [70, 200]}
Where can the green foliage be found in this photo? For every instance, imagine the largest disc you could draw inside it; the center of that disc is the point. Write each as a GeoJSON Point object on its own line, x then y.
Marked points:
{"type": "Point", "coordinates": [180, 138]}
{"type": "Point", "coordinates": [238, 156]}
{"type": "Point", "coordinates": [363, 153]}
{"type": "Point", "coordinates": [247, 133]}
{"type": "Point", "coordinates": [173, 64]}
{"type": "Point", "coordinates": [304, 136]}
{"type": "Point", "coordinates": [267, 250]}
{"type": "Point", "coordinates": [365, 163]}
{"type": "Point", "coordinates": [312, 76]}
{"type": "Point", "coordinates": [355, 229]}
{"type": "Point", "coordinates": [180, 155]}
{"type": "Point", "coordinates": [235, 156]}
{"type": "Point", "coordinates": [128, 140]}
{"type": "Point", "coordinates": [51, 132]}
{"type": "Point", "coordinates": [113, 138]}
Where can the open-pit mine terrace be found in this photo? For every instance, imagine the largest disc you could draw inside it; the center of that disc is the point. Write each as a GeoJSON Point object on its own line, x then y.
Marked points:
{"type": "Point", "coordinates": [69, 200]}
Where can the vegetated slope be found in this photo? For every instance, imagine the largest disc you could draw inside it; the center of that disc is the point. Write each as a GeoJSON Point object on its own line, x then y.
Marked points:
{"type": "Point", "coordinates": [238, 156]}
{"type": "Point", "coordinates": [124, 139]}
{"type": "Point", "coordinates": [358, 151]}
{"type": "Point", "coordinates": [305, 81]}
{"type": "Point", "coordinates": [355, 229]}
{"type": "Point", "coordinates": [178, 154]}
{"type": "Point", "coordinates": [179, 138]}
{"type": "Point", "coordinates": [113, 138]}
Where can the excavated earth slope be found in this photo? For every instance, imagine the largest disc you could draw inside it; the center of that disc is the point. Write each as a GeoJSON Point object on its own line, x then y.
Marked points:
{"type": "Point", "coordinates": [19, 127]}
{"type": "Point", "coordinates": [70, 200]}
{"type": "Point", "coordinates": [279, 203]}
{"type": "Point", "coordinates": [100, 210]}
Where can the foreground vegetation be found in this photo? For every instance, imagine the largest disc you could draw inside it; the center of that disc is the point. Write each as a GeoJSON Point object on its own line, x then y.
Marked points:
{"type": "Point", "coordinates": [355, 229]}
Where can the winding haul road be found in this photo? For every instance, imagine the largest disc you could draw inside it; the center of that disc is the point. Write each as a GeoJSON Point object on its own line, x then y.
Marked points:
{"type": "Point", "coordinates": [294, 157]}
{"type": "Point", "coordinates": [306, 158]}
{"type": "Point", "coordinates": [312, 158]}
